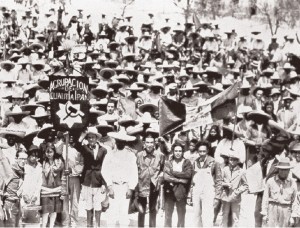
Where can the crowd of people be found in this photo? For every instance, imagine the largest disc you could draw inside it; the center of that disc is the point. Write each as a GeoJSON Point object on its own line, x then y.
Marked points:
{"type": "Point", "coordinates": [120, 164]}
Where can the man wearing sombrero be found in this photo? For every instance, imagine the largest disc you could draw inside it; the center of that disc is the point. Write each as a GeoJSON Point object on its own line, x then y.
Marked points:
{"type": "Point", "coordinates": [7, 72]}
{"type": "Point", "coordinates": [93, 183]}
{"type": "Point", "coordinates": [280, 200]}
{"type": "Point", "coordinates": [121, 181]}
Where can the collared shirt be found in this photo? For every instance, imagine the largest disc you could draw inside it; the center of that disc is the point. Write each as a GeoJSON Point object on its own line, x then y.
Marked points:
{"type": "Point", "coordinates": [150, 167]}
{"type": "Point", "coordinates": [126, 171]}
{"type": "Point", "coordinates": [281, 192]}
{"type": "Point", "coordinates": [75, 160]}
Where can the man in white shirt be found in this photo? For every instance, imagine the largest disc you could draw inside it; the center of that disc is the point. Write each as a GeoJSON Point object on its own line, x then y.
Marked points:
{"type": "Point", "coordinates": [121, 181]}
{"type": "Point", "coordinates": [75, 168]}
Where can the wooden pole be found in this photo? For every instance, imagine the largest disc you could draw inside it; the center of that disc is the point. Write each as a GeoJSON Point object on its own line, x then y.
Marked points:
{"type": "Point", "coordinates": [235, 115]}
{"type": "Point", "coordinates": [67, 162]}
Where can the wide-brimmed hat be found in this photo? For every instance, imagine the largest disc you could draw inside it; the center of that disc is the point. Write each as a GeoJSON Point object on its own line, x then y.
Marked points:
{"type": "Point", "coordinates": [100, 91]}
{"type": "Point", "coordinates": [148, 106]}
{"type": "Point", "coordinates": [288, 66]}
{"type": "Point", "coordinates": [115, 84]}
{"type": "Point", "coordinates": [183, 74]}
{"type": "Point", "coordinates": [113, 44]}
{"type": "Point", "coordinates": [268, 72]}
{"type": "Point", "coordinates": [7, 62]}
{"type": "Point", "coordinates": [153, 130]}
{"type": "Point", "coordinates": [103, 126]}
{"type": "Point", "coordinates": [134, 130]}
{"type": "Point", "coordinates": [218, 87]}
{"type": "Point", "coordinates": [35, 45]}
{"type": "Point", "coordinates": [188, 88]}
{"type": "Point", "coordinates": [46, 130]}
{"type": "Point", "coordinates": [93, 131]}
{"type": "Point", "coordinates": [111, 63]}
{"type": "Point", "coordinates": [15, 56]}
{"type": "Point", "coordinates": [17, 111]}
{"type": "Point", "coordinates": [31, 106]}
{"type": "Point", "coordinates": [40, 112]}
{"type": "Point", "coordinates": [38, 63]}
{"type": "Point", "coordinates": [275, 91]}
{"type": "Point", "coordinates": [295, 147]}
{"type": "Point", "coordinates": [245, 85]}
{"type": "Point", "coordinates": [107, 73]}
{"type": "Point", "coordinates": [284, 163]}
{"type": "Point", "coordinates": [156, 84]}
{"type": "Point", "coordinates": [146, 118]}
{"type": "Point", "coordinates": [294, 92]}
{"type": "Point", "coordinates": [23, 61]}
{"type": "Point", "coordinates": [127, 121]}
{"type": "Point", "coordinates": [243, 109]}
{"type": "Point", "coordinates": [258, 115]}
{"type": "Point", "coordinates": [97, 112]}
{"type": "Point", "coordinates": [122, 136]}
{"type": "Point", "coordinates": [134, 87]}
{"type": "Point", "coordinates": [147, 72]}
{"type": "Point", "coordinates": [233, 154]}
{"type": "Point", "coordinates": [131, 37]}
{"type": "Point", "coordinates": [11, 131]}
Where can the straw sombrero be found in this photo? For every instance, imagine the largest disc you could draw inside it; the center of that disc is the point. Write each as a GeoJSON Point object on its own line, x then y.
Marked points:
{"type": "Point", "coordinates": [121, 136]}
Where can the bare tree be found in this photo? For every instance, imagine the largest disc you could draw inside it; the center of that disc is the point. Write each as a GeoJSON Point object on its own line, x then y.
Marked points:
{"type": "Point", "coordinates": [185, 7]}
{"type": "Point", "coordinates": [208, 8]}
{"type": "Point", "coordinates": [282, 12]}
{"type": "Point", "coordinates": [125, 5]}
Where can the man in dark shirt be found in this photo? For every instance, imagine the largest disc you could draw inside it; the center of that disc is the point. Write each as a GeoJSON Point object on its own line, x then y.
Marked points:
{"type": "Point", "coordinates": [150, 164]}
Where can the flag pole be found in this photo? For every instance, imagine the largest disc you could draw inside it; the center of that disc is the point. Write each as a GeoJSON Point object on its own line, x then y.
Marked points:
{"type": "Point", "coordinates": [235, 114]}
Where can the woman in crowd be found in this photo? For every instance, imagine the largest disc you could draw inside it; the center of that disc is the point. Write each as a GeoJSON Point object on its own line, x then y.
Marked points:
{"type": "Point", "coordinates": [52, 186]}
{"type": "Point", "coordinates": [177, 176]}
{"type": "Point", "coordinates": [214, 137]}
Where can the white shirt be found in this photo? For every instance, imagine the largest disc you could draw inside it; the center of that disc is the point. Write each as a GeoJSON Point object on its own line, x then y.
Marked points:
{"type": "Point", "coordinates": [177, 166]}
{"type": "Point", "coordinates": [120, 167]}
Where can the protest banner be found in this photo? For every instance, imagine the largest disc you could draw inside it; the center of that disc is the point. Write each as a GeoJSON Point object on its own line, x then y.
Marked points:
{"type": "Point", "coordinates": [197, 118]}
{"type": "Point", "coordinates": [69, 102]}
{"type": "Point", "coordinates": [255, 178]}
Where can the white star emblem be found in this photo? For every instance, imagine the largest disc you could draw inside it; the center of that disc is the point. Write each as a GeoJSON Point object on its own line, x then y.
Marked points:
{"type": "Point", "coordinates": [69, 114]}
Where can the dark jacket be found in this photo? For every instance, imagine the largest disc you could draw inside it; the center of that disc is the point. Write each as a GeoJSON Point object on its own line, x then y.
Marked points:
{"type": "Point", "coordinates": [172, 178]}
{"type": "Point", "coordinates": [91, 175]}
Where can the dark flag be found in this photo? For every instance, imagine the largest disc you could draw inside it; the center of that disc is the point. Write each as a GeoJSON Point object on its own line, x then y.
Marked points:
{"type": "Point", "coordinates": [69, 101]}
{"type": "Point", "coordinates": [172, 115]}
{"type": "Point", "coordinates": [225, 105]}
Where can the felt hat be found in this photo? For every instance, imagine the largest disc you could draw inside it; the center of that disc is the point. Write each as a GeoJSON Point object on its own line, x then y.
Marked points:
{"type": "Point", "coordinates": [275, 91]}
{"type": "Point", "coordinates": [284, 163]}
{"type": "Point", "coordinates": [93, 131]}
{"type": "Point", "coordinates": [46, 130]}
